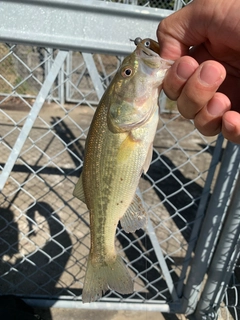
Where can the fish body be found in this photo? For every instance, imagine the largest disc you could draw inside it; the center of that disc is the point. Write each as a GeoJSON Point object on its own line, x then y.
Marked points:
{"type": "Point", "coordinates": [118, 150]}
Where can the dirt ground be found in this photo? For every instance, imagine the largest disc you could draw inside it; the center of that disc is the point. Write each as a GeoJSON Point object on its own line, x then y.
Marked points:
{"type": "Point", "coordinates": [45, 226]}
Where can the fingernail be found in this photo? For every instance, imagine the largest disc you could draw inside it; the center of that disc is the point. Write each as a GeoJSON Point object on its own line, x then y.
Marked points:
{"type": "Point", "coordinates": [214, 108]}
{"type": "Point", "coordinates": [218, 105]}
{"type": "Point", "coordinates": [185, 70]}
{"type": "Point", "coordinates": [209, 74]}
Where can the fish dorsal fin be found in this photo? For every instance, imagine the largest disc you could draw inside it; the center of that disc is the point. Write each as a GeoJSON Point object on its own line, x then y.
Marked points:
{"type": "Point", "coordinates": [78, 190]}
{"type": "Point", "coordinates": [135, 217]}
{"type": "Point", "coordinates": [148, 159]}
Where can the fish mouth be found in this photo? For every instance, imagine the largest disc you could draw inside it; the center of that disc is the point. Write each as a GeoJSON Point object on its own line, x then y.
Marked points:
{"type": "Point", "coordinates": [143, 51]}
{"type": "Point", "coordinates": [152, 56]}
{"type": "Point", "coordinates": [148, 53]}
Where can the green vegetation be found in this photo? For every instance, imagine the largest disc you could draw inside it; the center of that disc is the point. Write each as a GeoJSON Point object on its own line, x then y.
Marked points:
{"type": "Point", "coordinates": [23, 88]}
{"type": "Point", "coordinates": [9, 76]}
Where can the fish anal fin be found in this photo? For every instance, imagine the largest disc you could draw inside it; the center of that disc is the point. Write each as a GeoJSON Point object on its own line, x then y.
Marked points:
{"type": "Point", "coordinates": [78, 191]}
{"type": "Point", "coordinates": [100, 278]}
{"type": "Point", "coordinates": [135, 217]}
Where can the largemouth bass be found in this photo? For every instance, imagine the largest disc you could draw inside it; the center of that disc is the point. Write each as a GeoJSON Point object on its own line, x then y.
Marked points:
{"type": "Point", "coordinates": [118, 150]}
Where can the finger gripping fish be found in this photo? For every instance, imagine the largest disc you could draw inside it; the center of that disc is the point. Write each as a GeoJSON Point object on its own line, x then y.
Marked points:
{"type": "Point", "coordinates": [118, 150]}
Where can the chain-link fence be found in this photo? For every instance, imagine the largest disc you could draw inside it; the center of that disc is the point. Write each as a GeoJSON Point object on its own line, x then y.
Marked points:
{"type": "Point", "coordinates": [47, 101]}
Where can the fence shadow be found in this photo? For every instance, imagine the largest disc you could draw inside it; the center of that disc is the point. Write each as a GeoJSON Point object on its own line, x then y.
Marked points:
{"type": "Point", "coordinates": [144, 260]}
{"type": "Point", "coordinates": [187, 202]}
{"type": "Point", "coordinates": [66, 134]}
{"type": "Point", "coordinates": [52, 258]}
{"type": "Point", "coordinates": [183, 193]}
{"type": "Point", "coordinates": [170, 185]}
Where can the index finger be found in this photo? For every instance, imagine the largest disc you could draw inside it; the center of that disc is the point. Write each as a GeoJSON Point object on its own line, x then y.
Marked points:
{"type": "Point", "coordinates": [181, 30]}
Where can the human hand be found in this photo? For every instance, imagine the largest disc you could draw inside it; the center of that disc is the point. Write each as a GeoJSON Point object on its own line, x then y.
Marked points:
{"type": "Point", "coordinates": [205, 80]}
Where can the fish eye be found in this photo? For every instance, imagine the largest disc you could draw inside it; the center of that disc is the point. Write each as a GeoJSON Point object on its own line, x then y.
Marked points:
{"type": "Point", "coordinates": [147, 43]}
{"type": "Point", "coordinates": [126, 72]}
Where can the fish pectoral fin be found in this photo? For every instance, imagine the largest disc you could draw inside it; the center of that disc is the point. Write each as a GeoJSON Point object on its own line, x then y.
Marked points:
{"type": "Point", "coordinates": [148, 159]}
{"type": "Point", "coordinates": [78, 190]}
{"type": "Point", "coordinates": [126, 148]}
{"type": "Point", "coordinates": [135, 217]}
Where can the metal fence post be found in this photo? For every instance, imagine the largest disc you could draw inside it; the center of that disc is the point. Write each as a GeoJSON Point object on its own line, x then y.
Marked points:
{"type": "Point", "coordinates": [223, 260]}
{"type": "Point", "coordinates": [201, 210]}
{"type": "Point", "coordinates": [61, 85]}
{"type": "Point", "coordinates": [43, 93]}
{"type": "Point", "coordinates": [93, 74]}
{"type": "Point", "coordinates": [211, 226]}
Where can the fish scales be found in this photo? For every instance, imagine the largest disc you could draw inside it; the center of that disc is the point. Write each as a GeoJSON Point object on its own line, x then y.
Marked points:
{"type": "Point", "coordinates": [112, 173]}
{"type": "Point", "coordinates": [118, 150]}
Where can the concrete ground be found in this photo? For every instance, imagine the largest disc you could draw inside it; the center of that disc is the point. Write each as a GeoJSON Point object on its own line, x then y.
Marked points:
{"type": "Point", "coordinates": [76, 314]}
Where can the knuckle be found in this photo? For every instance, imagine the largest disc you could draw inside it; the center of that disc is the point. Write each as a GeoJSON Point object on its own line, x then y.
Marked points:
{"type": "Point", "coordinates": [171, 93]}
{"type": "Point", "coordinates": [207, 125]}
{"type": "Point", "coordinates": [172, 86]}
{"type": "Point", "coordinates": [162, 27]}
{"type": "Point", "coordinates": [188, 105]}
{"type": "Point", "coordinates": [209, 128]}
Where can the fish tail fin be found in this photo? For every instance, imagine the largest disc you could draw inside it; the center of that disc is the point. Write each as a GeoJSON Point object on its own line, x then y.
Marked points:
{"type": "Point", "coordinates": [99, 279]}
